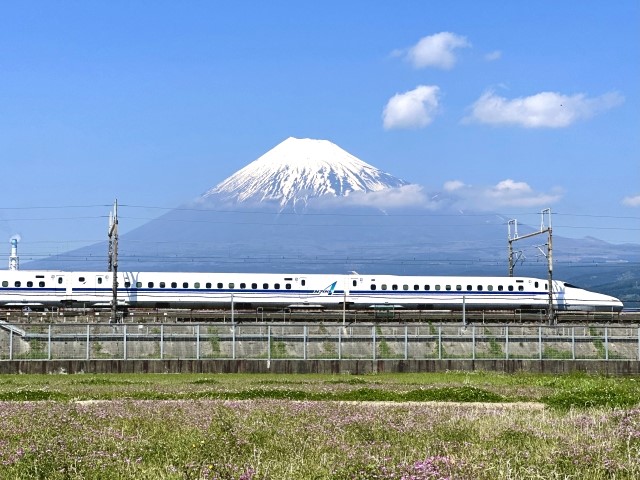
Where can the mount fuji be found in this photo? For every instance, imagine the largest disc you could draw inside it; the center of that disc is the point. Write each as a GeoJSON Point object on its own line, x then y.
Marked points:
{"type": "Point", "coordinates": [309, 206]}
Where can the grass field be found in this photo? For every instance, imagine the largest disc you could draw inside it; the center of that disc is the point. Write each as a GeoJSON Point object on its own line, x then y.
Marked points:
{"type": "Point", "coordinates": [400, 426]}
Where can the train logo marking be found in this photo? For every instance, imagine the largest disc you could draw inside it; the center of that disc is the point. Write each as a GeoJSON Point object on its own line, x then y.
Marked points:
{"type": "Point", "coordinates": [328, 289]}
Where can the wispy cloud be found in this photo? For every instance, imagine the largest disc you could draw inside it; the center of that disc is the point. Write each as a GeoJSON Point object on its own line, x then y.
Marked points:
{"type": "Point", "coordinates": [413, 109]}
{"type": "Point", "coordinates": [406, 196]}
{"type": "Point", "coordinates": [435, 50]}
{"type": "Point", "coordinates": [506, 193]}
{"type": "Point", "coordinates": [631, 201]}
{"type": "Point", "coordinates": [493, 56]}
{"type": "Point", "coordinates": [543, 110]}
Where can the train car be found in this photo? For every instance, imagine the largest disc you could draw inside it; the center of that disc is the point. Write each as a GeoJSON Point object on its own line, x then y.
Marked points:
{"type": "Point", "coordinates": [42, 289]}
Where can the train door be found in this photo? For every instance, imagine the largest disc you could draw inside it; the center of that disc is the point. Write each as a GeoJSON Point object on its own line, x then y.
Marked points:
{"type": "Point", "coordinates": [302, 287]}
{"type": "Point", "coordinates": [100, 286]}
{"type": "Point", "coordinates": [62, 288]}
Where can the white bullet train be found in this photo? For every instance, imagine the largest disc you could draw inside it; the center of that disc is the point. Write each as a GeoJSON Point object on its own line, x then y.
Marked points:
{"type": "Point", "coordinates": [43, 289]}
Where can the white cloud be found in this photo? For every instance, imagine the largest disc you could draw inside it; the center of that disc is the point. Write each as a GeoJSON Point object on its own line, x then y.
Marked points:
{"type": "Point", "coordinates": [405, 196]}
{"type": "Point", "coordinates": [632, 201]}
{"type": "Point", "coordinates": [436, 50]}
{"type": "Point", "coordinates": [546, 109]}
{"type": "Point", "coordinates": [493, 56]}
{"type": "Point", "coordinates": [413, 109]}
{"type": "Point", "coordinates": [506, 193]}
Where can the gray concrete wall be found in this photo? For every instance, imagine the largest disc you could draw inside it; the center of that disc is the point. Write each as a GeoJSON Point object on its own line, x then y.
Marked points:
{"type": "Point", "coordinates": [353, 367]}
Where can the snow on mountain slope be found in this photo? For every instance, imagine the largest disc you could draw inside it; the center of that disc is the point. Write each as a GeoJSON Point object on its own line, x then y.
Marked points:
{"type": "Point", "coordinates": [299, 169]}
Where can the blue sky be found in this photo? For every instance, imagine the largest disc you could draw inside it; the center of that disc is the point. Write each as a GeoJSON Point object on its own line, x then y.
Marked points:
{"type": "Point", "coordinates": [509, 106]}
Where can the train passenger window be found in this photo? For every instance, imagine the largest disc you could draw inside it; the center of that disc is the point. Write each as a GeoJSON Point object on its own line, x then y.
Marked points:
{"type": "Point", "coordinates": [254, 286]}
{"type": "Point", "coordinates": [41, 283]}
{"type": "Point", "coordinates": [207, 285]}
{"type": "Point", "coordinates": [185, 284]}
{"type": "Point", "coordinates": [5, 283]}
{"type": "Point", "coordinates": [373, 286]}
{"type": "Point", "coordinates": [29, 283]}
{"type": "Point", "coordinates": [219, 285]}
{"type": "Point", "coordinates": [394, 287]}
{"type": "Point", "coordinates": [288, 286]}
{"type": "Point", "coordinates": [174, 285]}
{"type": "Point", "coordinates": [500, 288]}
{"type": "Point", "coordinates": [265, 286]}
{"type": "Point", "coordinates": [490, 288]}
{"type": "Point", "coordinates": [520, 288]}
{"type": "Point", "coordinates": [479, 288]}
{"type": "Point", "coordinates": [17, 284]}
{"type": "Point", "coordinates": [276, 286]}
{"type": "Point", "coordinates": [384, 286]}
{"type": "Point", "coordinates": [437, 287]}
{"type": "Point", "coordinates": [469, 288]}
{"type": "Point", "coordinates": [196, 285]}
{"type": "Point", "coordinates": [162, 285]}
{"type": "Point", "coordinates": [150, 285]}
{"type": "Point", "coordinates": [81, 279]}
{"type": "Point", "coordinates": [510, 288]}
{"type": "Point", "coordinates": [232, 285]}
{"type": "Point", "coordinates": [243, 285]}
{"type": "Point", "coordinates": [138, 284]}
{"type": "Point", "coordinates": [448, 287]}
{"type": "Point", "coordinates": [405, 287]}
{"type": "Point", "coordinates": [416, 287]}
{"type": "Point", "coordinates": [127, 284]}
{"type": "Point", "coordinates": [427, 287]}
{"type": "Point", "coordinates": [458, 287]}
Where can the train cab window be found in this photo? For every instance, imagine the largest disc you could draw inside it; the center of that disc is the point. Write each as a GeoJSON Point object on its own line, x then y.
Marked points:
{"type": "Point", "coordinates": [41, 283]}
{"type": "Point", "coordinates": [500, 288]}
{"type": "Point", "coordinates": [207, 285]}
{"type": "Point", "coordinates": [138, 284]}
{"type": "Point", "coordinates": [405, 287]}
{"type": "Point", "coordinates": [437, 287]}
{"type": "Point", "coordinates": [373, 286]}
{"type": "Point", "coordinates": [510, 288]}
{"type": "Point", "coordinates": [127, 284]}
{"type": "Point", "coordinates": [469, 288]}
{"type": "Point", "coordinates": [196, 285]}
{"type": "Point", "coordinates": [276, 286]}
{"type": "Point", "coordinates": [520, 288]}
{"type": "Point", "coordinates": [29, 283]}
{"type": "Point", "coordinates": [448, 287]}
{"type": "Point", "coordinates": [265, 286]}
{"type": "Point", "coordinates": [243, 285]}
{"type": "Point", "coordinates": [416, 287]}
{"type": "Point", "coordinates": [458, 287]}
{"type": "Point", "coordinates": [490, 288]}
{"type": "Point", "coordinates": [427, 287]}
{"type": "Point", "coordinates": [384, 286]}
{"type": "Point", "coordinates": [174, 285]}
{"type": "Point", "coordinates": [17, 284]}
{"type": "Point", "coordinates": [394, 287]}
{"type": "Point", "coordinates": [288, 286]}
{"type": "Point", "coordinates": [254, 286]}
{"type": "Point", "coordinates": [162, 285]}
{"type": "Point", "coordinates": [232, 285]}
{"type": "Point", "coordinates": [479, 288]}
{"type": "Point", "coordinates": [5, 283]}
{"type": "Point", "coordinates": [219, 285]}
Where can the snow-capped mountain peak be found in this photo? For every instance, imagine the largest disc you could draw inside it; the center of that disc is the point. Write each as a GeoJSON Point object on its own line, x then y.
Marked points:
{"type": "Point", "coordinates": [299, 169]}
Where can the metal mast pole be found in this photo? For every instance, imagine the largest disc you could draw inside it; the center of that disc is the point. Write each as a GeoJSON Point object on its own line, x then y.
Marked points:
{"type": "Point", "coordinates": [113, 260]}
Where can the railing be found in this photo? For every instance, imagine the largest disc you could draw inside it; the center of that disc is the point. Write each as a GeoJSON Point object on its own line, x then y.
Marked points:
{"type": "Point", "coordinates": [316, 341]}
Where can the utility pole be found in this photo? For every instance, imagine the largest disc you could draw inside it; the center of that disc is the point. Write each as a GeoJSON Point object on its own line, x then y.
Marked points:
{"type": "Point", "coordinates": [113, 260]}
{"type": "Point", "coordinates": [544, 228]}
